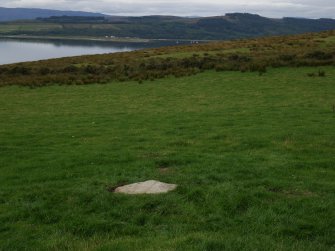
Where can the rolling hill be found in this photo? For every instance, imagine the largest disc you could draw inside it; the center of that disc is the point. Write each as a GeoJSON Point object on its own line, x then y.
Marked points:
{"type": "Point", "coordinates": [11, 14]}
{"type": "Point", "coordinates": [230, 26]}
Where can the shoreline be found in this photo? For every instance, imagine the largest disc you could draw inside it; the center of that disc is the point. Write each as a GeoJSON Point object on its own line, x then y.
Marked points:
{"type": "Point", "coordinates": [94, 39]}
{"type": "Point", "coordinates": [103, 39]}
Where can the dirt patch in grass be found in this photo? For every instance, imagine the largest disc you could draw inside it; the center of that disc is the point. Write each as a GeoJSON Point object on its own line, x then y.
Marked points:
{"type": "Point", "coordinates": [292, 193]}
{"type": "Point", "coordinates": [165, 170]}
{"type": "Point", "coordinates": [111, 189]}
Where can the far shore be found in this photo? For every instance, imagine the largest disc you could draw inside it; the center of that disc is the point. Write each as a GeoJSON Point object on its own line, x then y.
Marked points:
{"type": "Point", "coordinates": [104, 39]}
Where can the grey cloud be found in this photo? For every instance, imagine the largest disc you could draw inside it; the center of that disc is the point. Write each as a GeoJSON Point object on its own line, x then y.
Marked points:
{"type": "Point", "coordinates": [270, 8]}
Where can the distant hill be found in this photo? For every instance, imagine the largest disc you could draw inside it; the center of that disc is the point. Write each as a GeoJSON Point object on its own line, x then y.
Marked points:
{"type": "Point", "coordinates": [250, 25]}
{"type": "Point", "coordinates": [230, 26]}
{"type": "Point", "coordinates": [11, 14]}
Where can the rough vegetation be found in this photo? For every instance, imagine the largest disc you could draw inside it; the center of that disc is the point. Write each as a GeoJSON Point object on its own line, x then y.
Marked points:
{"type": "Point", "coordinates": [256, 55]}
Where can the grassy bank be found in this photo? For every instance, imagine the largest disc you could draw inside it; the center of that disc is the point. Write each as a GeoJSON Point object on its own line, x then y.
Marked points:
{"type": "Point", "coordinates": [255, 55]}
{"type": "Point", "coordinates": [253, 157]}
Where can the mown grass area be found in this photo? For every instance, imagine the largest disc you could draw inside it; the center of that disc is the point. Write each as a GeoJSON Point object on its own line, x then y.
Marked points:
{"type": "Point", "coordinates": [253, 157]}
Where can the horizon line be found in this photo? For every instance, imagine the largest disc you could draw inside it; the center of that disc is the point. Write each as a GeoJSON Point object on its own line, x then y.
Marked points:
{"type": "Point", "coordinates": [171, 15]}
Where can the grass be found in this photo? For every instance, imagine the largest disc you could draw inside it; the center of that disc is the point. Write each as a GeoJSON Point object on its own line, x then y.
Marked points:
{"type": "Point", "coordinates": [184, 60]}
{"type": "Point", "coordinates": [5, 28]}
{"type": "Point", "coordinates": [186, 54]}
{"type": "Point", "coordinates": [326, 42]}
{"type": "Point", "coordinates": [253, 157]}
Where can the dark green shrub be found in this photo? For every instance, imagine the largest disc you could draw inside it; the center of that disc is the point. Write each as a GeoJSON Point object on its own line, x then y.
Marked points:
{"type": "Point", "coordinates": [319, 55]}
{"type": "Point", "coordinates": [44, 71]}
{"type": "Point", "coordinates": [287, 57]}
{"type": "Point", "coordinates": [321, 73]}
{"type": "Point", "coordinates": [70, 69]}
{"type": "Point", "coordinates": [91, 69]}
{"type": "Point", "coordinates": [20, 70]}
{"type": "Point", "coordinates": [3, 70]}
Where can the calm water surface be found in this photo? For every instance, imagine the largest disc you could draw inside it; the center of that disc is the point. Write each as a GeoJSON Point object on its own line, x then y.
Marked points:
{"type": "Point", "coordinates": [14, 50]}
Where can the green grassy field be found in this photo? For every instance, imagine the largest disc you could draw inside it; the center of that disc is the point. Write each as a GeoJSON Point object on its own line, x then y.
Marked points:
{"type": "Point", "coordinates": [253, 157]}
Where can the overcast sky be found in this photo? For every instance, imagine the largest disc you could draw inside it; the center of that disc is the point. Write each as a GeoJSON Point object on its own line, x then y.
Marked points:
{"type": "Point", "coordinates": [269, 8]}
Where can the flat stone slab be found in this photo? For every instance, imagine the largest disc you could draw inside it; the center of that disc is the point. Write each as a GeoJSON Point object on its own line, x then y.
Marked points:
{"type": "Point", "coordinates": [147, 187]}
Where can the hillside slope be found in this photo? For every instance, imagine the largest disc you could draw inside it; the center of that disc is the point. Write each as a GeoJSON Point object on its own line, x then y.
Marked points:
{"type": "Point", "coordinates": [10, 14]}
{"type": "Point", "coordinates": [314, 49]}
{"type": "Point", "coordinates": [230, 26]}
